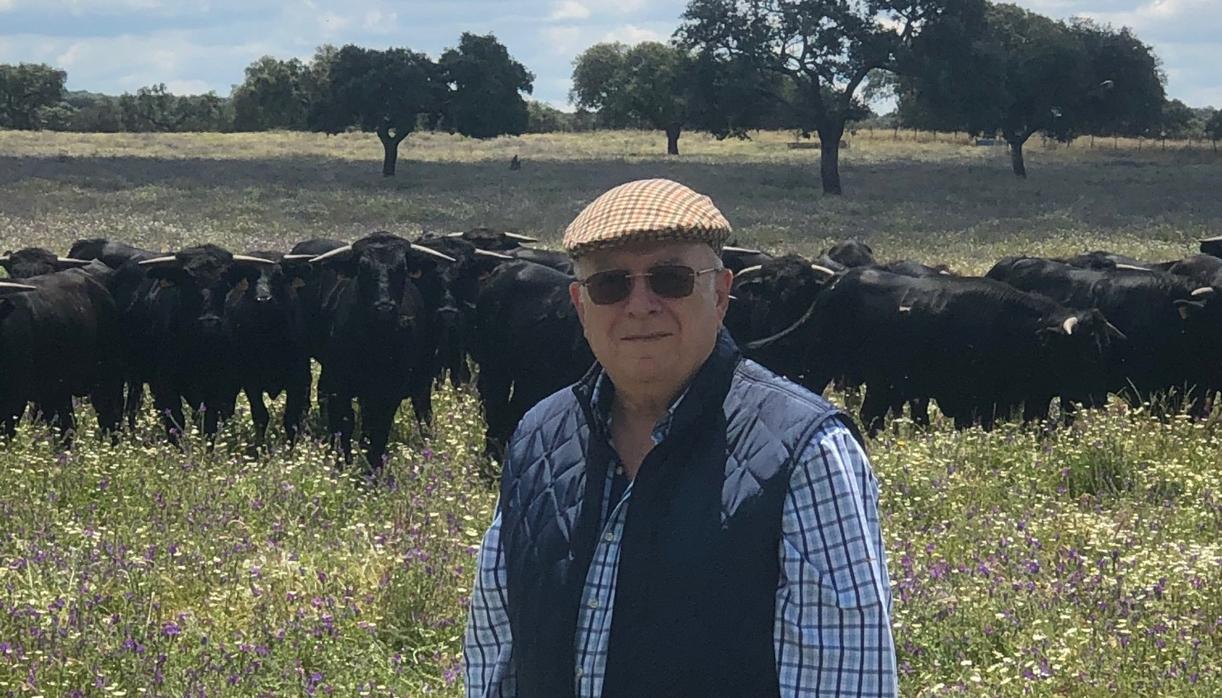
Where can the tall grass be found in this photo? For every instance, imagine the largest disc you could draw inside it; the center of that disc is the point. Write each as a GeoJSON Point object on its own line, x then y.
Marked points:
{"type": "Point", "coordinates": [1082, 563]}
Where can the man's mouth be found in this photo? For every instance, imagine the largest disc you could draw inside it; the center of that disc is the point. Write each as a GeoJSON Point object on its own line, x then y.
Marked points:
{"type": "Point", "coordinates": [649, 337]}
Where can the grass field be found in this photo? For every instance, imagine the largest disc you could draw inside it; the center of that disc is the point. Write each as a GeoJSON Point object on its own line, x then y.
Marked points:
{"type": "Point", "coordinates": [1085, 563]}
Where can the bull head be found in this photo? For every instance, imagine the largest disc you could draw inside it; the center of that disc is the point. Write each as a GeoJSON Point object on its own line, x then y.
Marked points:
{"type": "Point", "coordinates": [35, 261]}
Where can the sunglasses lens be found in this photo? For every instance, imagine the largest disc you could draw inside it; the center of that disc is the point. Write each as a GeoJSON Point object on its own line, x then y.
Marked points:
{"type": "Point", "coordinates": [672, 281]}
{"type": "Point", "coordinates": [607, 287]}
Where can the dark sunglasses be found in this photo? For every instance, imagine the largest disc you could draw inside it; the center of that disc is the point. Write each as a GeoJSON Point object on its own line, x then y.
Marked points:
{"type": "Point", "coordinates": [666, 280]}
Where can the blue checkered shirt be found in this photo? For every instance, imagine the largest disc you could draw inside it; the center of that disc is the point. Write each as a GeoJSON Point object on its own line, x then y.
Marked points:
{"type": "Point", "coordinates": [833, 602]}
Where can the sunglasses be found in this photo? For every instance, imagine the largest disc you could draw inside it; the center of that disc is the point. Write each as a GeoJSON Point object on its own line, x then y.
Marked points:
{"type": "Point", "coordinates": [666, 280]}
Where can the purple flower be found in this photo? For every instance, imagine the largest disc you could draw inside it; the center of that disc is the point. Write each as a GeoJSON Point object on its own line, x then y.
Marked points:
{"type": "Point", "coordinates": [171, 629]}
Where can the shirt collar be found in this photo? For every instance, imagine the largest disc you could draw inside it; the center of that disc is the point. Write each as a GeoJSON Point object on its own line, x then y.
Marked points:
{"type": "Point", "coordinates": [601, 399]}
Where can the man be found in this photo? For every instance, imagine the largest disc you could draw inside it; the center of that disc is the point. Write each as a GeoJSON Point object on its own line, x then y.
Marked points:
{"type": "Point", "coordinates": [681, 522]}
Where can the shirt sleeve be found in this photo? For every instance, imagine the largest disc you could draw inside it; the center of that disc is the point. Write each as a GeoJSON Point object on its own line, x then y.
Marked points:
{"type": "Point", "coordinates": [488, 644]}
{"type": "Point", "coordinates": [833, 611]}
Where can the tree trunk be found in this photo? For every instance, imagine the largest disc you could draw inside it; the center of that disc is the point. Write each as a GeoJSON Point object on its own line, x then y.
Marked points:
{"type": "Point", "coordinates": [390, 147]}
{"type": "Point", "coordinates": [829, 158]}
{"type": "Point", "coordinates": [1016, 156]}
{"type": "Point", "coordinates": [672, 138]}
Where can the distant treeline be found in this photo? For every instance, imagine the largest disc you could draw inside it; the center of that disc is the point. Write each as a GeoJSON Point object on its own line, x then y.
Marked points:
{"type": "Point", "coordinates": [732, 67]}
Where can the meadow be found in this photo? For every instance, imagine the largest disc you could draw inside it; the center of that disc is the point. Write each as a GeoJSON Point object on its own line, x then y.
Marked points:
{"type": "Point", "coordinates": [1086, 563]}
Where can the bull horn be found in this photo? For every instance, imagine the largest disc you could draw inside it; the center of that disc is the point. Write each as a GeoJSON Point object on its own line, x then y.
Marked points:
{"type": "Point", "coordinates": [455, 235]}
{"type": "Point", "coordinates": [492, 255]}
{"type": "Point", "coordinates": [740, 250]}
{"type": "Point", "coordinates": [72, 260]}
{"type": "Point", "coordinates": [156, 261]}
{"type": "Point", "coordinates": [1132, 267]}
{"type": "Point", "coordinates": [1070, 323]}
{"type": "Point", "coordinates": [520, 238]}
{"type": "Point", "coordinates": [252, 260]}
{"type": "Point", "coordinates": [823, 270]}
{"type": "Point", "coordinates": [1216, 238]}
{"type": "Point", "coordinates": [435, 253]}
{"type": "Point", "coordinates": [296, 257]}
{"type": "Point", "coordinates": [945, 272]}
{"type": "Point", "coordinates": [333, 253]}
{"type": "Point", "coordinates": [1203, 291]}
{"type": "Point", "coordinates": [13, 287]}
{"type": "Point", "coordinates": [749, 270]}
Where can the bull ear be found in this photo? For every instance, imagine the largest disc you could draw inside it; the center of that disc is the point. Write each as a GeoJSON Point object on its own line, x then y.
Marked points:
{"type": "Point", "coordinates": [1189, 308]}
{"type": "Point", "coordinates": [338, 260]}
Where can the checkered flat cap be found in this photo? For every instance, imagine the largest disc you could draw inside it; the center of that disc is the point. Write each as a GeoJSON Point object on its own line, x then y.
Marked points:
{"type": "Point", "coordinates": [646, 210]}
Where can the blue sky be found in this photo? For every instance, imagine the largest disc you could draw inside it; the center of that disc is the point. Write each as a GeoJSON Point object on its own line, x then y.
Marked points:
{"type": "Point", "coordinates": [200, 45]}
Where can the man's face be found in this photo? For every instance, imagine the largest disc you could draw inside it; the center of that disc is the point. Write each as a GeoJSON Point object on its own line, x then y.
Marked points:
{"type": "Point", "coordinates": [646, 337]}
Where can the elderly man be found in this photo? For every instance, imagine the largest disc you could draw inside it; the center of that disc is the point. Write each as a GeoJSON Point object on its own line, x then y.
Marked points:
{"type": "Point", "coordinates": [680, 522]}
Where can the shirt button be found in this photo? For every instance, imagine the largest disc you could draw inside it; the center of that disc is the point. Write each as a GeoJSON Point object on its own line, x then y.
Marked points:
{"type": "Point", "coordinates": [592, 603]}
{"type": "Point", "coordinates": [619, 470]}
{"type": "Point", "coordinates": [608, 536]}
{"type": "Point", "coordinates": [580, 673]}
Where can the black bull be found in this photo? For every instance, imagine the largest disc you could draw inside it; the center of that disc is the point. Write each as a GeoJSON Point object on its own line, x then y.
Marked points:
{"type": "Point", "coordinates": [177, 333]}
{"type": "Point", "coordinates": [59, 338]}
{"type": "Point", "coordinates": [379, 336]}
{"type": "Point", "coordinates": [979, 347]}
{"type": "Point", "coordinates": [1173, 323]}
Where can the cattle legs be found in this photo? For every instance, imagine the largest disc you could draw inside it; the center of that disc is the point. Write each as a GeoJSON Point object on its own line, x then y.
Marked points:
{"type": "Point", "coordinates": [133, 401]}
{"type": "Point", "coordinates": [297, 402]}
{"type": "Point", "coordinates": [377, 415]}
{"type": "Point", "coordinates": [874, 409]}
{"type": "Point", "coordinates": [258, 414]}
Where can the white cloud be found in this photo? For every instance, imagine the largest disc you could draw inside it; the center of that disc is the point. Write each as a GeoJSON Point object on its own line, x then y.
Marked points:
{"type": "Point", "coordinates": [631, 34]}
{"type": "Point", "coordinates": [330, 23]}
{"type": "Point", "coordinates": [188, 87]}
{"type": "Point", "coordinates": [6, 5]}
{"type": "Point", "coordinates": [379, 22]}
{"type": "Point", "coordinates": [619, 7]}
{"type": "Point", "coordinates": [563, 40]}
{"type": "Point", "coordinates": [569, 10]}
{"type": "Point", "coordinates": [127, 62]}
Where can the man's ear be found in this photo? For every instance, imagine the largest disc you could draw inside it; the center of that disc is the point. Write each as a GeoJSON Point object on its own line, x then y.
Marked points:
{"type": "Point", "coordinates": [723, 281]}
{"type": "Point", "coordinates": [577, 300]}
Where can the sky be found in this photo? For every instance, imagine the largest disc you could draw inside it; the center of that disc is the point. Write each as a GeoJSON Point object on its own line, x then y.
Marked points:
{"type": "Point", "coordinates": [196, 46]}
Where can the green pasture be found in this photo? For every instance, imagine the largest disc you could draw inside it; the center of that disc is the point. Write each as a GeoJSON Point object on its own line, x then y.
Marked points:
{"type": "Point", "coordinates": [1084, 563]}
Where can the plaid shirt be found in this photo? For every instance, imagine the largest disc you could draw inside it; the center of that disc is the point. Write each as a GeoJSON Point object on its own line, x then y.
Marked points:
{"type": "Point", "coordinates": [832, 631]}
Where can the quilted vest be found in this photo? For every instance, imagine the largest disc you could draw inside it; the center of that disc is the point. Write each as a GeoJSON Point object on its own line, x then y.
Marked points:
{"type": "Point", "coordinates": [694, 605]}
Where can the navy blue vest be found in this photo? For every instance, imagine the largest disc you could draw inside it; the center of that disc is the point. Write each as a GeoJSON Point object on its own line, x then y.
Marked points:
{"type": "Point", "coordinates": [695, 596]}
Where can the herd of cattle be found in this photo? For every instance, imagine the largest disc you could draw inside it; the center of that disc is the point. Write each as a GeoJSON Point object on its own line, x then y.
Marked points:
{"type": "Point", "coordinates": [386, 317]}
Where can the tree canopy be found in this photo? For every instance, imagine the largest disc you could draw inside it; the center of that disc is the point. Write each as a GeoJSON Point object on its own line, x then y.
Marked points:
{"type": "Point", "coordinates": [28, 92]}
{"type": "Point", "coordinates": [386, 92]}
{"type": "Point", "coordinates": [486, 86]}
{"type": "Point", "coordinates": [154, 108]}
{"type": "Point", "coordinates": [1213, 128]}
{"type": "Point", "coordinates": [274, 95]}
{"type": "Point", "coordinates": [824, 49]}
{"type": "Point", "coordinates": [1028, 74]}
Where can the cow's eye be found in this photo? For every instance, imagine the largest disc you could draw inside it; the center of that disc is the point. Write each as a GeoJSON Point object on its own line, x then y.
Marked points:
{"type": "Point", "coordinates": [243, 285]}
{"type": "Point", "coordinates": [415, 273]}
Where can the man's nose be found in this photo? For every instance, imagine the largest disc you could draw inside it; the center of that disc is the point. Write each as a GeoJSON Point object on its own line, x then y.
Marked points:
{"type": "Point", "coordinates": [641, 298]}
